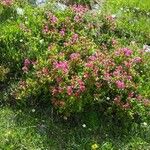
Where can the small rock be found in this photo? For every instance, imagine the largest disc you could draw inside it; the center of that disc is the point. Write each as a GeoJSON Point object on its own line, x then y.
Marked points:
{"type": "Point", "coordinates": [146, 48]}
{"type": "Point", "coordinates": [60, 6]}
{"type": "Point", "coordinates": [40, 2]}
{"type": "Point", "coordinates": [96, 7]}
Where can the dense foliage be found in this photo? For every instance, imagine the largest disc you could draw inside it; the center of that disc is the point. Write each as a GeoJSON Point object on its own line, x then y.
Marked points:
{"type": "Point", "coordinates": [71, 60]}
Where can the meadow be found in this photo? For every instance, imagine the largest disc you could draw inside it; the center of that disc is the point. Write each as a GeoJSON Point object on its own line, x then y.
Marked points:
{"type": "Point", "coordinates": [74, 77]}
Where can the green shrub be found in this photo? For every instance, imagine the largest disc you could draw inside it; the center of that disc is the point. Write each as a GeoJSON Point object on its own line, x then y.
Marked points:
{"type": "Point", "coordinates": [73, 61]}
{"type": "Point", "coordinates": [73, 72]}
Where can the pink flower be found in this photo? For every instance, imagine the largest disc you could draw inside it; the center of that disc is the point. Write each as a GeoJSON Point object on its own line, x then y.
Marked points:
{"type": "Point", "coordinates": [62, 65]}
{"type": "Point", "coordinates": [74, 56]}
{"type": "Point", "coordinates": [120, 84]}
{"type": "Point", "coordinates": [33, 62]}
{"type": "Point", "coordinates": [78, 18]}
{"type": "Point", "coordinates": [7, 2]}
{"type": "Point", "coordinates": [129, 77]}
{"type": "Point", "coordinates": [130, 95]}
{"type": "Point", "coordinates": [53, 19]}
{"type": "Point", "coordinates": [66, 44]}
{"type": "Point", "coordinates": [117, 100]}
{"type": "Point", "coordinates": [128, 64]}
{"type": "Point", "coordinates": [62, 32]}
{"type": "Point", "coordinates": [126, 106]}
{"type": "Point", "coordinates": [69, 90]}
{"type": "Point", "coordinates": [54, 91]}
{"type": "Point", "coordinates": [114, 42]}
{"type": "Point", "coordinates": [127, 51]}
{"type": "Point", "coordinates": [86, 75]}
{"type": "Point", "coordinates": [107, 76]}
{"type": "Point", "coordinates": [59, 79]}
{"type": "Point", "coordinates": [137, 59]}
{"type": "Point", "coordinates": [82, 88]}
{"type": "Point", "coordinates": [81, 85]}
{"type": "Point", "coordinates": [46, 29]}
{"type": "Point", "coordinates": [146, 102]}
{"type": "Point", "coordinates": [25, 69]}
{"type": "Point", "coordinates": [60, 89]}
{"type": "Point", "coordinates": [45, 71]}
{"type": "Point", "coordinates": [116, 73]}
{"type": "Point", "coordinates": [92, 58]}
{"type": "Point", "coordinates": [79, 9]}
{"type": "Point", "coordinates": [89, 64]}
{"type": "Point", "coordinates": [75, 38]}
{"type": "Point", "coordinates": [27, 62]}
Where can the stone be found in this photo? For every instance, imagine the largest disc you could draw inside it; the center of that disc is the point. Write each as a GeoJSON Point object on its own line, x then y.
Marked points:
{"type": "Point", "coordinates": [146, 48]}
{"type": "Point", "coordinates": [40, 2]}
{"type": "Point", "coordinates": [60, 7]}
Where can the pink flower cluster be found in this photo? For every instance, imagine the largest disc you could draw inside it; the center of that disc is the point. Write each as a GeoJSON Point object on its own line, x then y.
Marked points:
{"type": "Point", "coordinates": [62, 32]}
{"type": "Point", "coordinates": [52, 18]}
{"type": "Point", "coordinates": [45, 29]}
{"type": "Point", "coordinates": [75, 37]}
{"type": "Point", "coordinates": [79, 12]}
{"type": "Point", "coordinates": [77, 87]}
{"type": "Point", "coordinates": [78, 18]}
{"type": "Point", "coordinates": [118, 102]}
{"type": "Point", "coordinates": [6, 2]}
{"type": "Point", "coordinates": [27, 63]}
{"type": "Point", "coordinates": [69, 90]}
{"type": "Point", "coordinates": [124, 51]}
{"type": "Point", "coordinates": [127, 52]}
{"type": "Point", "coordinates": [74, 56]}
{"type": "Point", "coordinates": [62, 65]}
{"type": "Point", "coordinates": [79, 9]}
{"type": "Point", "coordinates": [120, 84]}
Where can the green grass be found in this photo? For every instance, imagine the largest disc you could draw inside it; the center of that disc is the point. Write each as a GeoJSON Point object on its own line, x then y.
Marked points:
{"type": "Point", "coordinates": [133, 16]}
{"type": "Point", "coordinates": [38, 129]}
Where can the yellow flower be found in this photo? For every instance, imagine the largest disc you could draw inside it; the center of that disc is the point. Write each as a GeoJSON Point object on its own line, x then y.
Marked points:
{"type": "Point", "coordinates": [94, 146]}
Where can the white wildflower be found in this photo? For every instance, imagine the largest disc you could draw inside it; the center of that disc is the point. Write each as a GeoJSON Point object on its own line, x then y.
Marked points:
{"type": "Point", "coordinates": [144, 124]}
{"type": "Point", "coordinates": [113, 16]}
{"type": "Point", "coordinates": [41, 41]}
{"type": "Point", "coordinates": [20, 11]}
{"type": "Point", "coordinates": [84, 125]}
{"type": "Point", "coordinates": [33, 110]}
{"type": "Point", "coordinates": [108, 98]}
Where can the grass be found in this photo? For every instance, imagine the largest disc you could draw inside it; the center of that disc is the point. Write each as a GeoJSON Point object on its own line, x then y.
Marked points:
{"type": "Point", "coordinates": [132, 16]}
{"type": "Point", "coordinates": [37, 129]}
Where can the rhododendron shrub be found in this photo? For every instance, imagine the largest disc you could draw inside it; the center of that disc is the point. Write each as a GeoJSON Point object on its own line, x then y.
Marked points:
{"type": "Point", "coordinates": [74, 72]}
{"type": "Point", "coordinates": [74, 80]}
{"type": "Point", "coordinates": [61, 62]}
